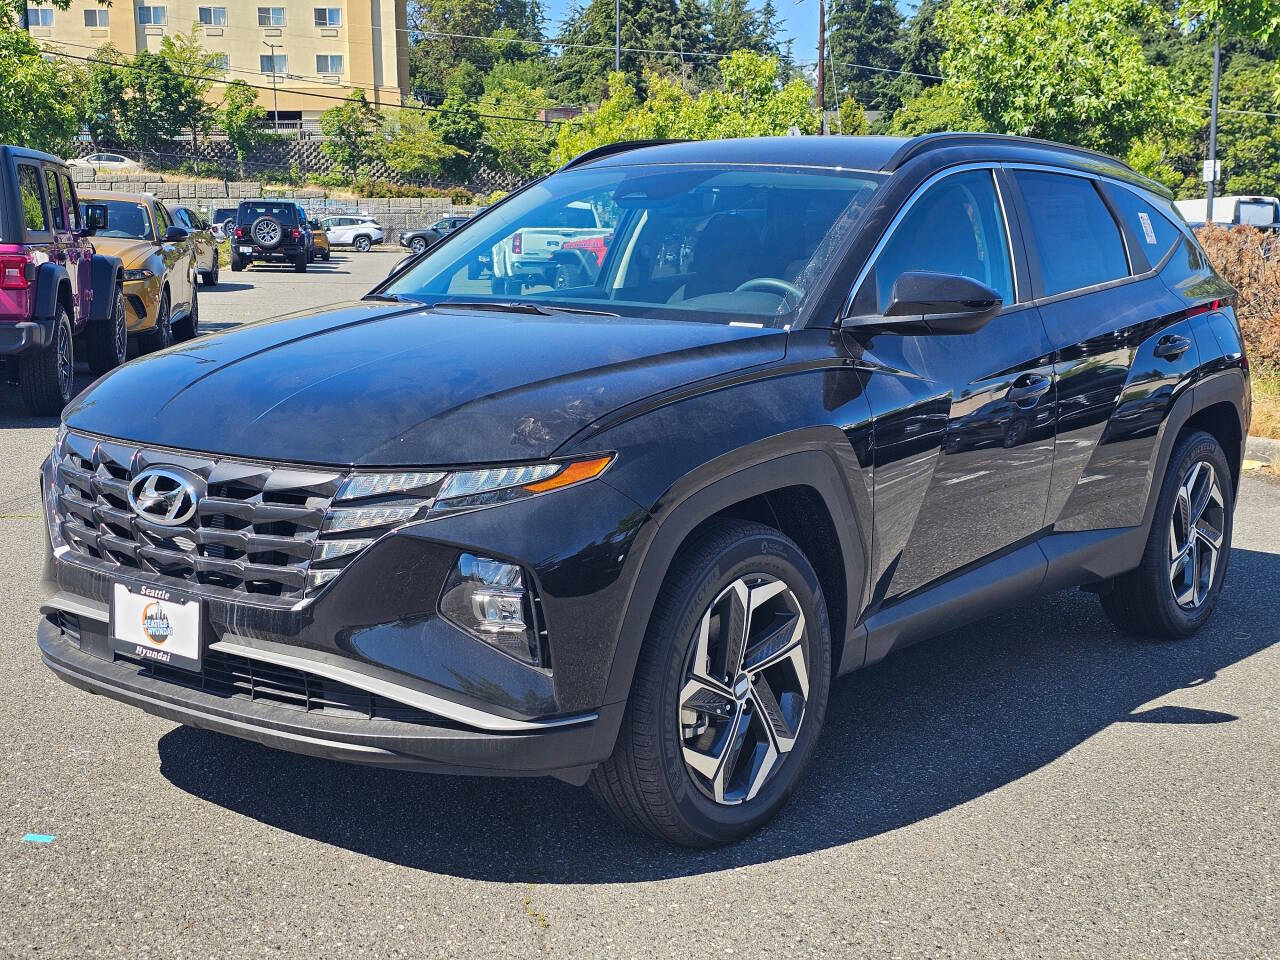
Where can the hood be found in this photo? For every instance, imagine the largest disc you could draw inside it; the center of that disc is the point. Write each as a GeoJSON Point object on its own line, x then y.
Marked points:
{"type": "Point", "coordinates": [132, 253]}
{"type": "Point", "coordinates": [374, 383]}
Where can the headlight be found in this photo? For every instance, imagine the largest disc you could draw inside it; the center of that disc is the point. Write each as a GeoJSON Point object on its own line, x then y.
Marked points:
{"type": "Point", "coordinates": [140, 274]}
{"type": "Point", "coordinates": [501, 483]}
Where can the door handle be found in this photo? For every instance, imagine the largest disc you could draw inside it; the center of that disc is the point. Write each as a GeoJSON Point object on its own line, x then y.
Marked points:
{"type": "Point", "coordinates": [1028, 387]}
{"type": "Point", "coordinates": [1172, 346]}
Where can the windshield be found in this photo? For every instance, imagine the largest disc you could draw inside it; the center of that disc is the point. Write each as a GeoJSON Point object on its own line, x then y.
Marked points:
{"type": "Point", "coordinates": [684, 242]}
{"type": "Point", "coordinates": [125, 219]}
{"type": "Point", "coordinates": [285, 213]}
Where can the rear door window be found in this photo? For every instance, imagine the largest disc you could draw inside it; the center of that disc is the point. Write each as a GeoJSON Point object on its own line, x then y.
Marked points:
{"type": "Point", "coordinates": [35, 213]}
{"type": "Point", "coordinates": [1077, 240]}
{"type": "Point", "coordinates": [69, 200]}
{"type": "Point", "coordinates": [1153, 229]}
{"type": "Point", "coordinates": [956, 227]}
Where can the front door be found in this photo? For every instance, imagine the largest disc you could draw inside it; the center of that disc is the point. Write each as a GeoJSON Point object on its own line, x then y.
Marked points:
{"type": "Point", "coordinates": [963, 423]}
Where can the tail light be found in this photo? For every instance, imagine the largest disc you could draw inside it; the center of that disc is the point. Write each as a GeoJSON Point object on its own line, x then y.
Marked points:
{"type": "Point", "coordinates": [517, 244]}
{"type": "Point", "coordinates": [297, 234]}
{"type": "Point", "coordinates": [239, 233]}
{"type": "Point", "coordinates": [13, 271]}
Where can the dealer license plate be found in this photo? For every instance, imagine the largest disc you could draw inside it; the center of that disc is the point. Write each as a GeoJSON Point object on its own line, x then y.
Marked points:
{"type": "Point", "coordinates": [155, 624]}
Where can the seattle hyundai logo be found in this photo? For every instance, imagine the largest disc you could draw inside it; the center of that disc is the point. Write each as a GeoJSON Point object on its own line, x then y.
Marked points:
{"type": "Point", "coordinates": [164, 496]}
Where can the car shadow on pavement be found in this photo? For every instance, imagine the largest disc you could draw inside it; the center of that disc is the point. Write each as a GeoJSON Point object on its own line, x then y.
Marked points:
{"type": "Point", "coordinates": [928, 729]}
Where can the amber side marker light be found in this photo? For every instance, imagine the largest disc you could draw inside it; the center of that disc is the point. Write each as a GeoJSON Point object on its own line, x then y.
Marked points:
{"type": "Point", "coordinates": [573, 473]}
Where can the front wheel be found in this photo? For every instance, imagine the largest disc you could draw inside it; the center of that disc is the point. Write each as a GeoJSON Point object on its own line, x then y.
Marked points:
{"type": "Point", "coordinates": [1173, 592]}
{"type": "Point", "coordinates": [729, 692]}
{"type": "Point", "coordinates": [188, 327]}
{"type": "Point", "coordinates": [362, 244]}
{"type": "Point", "coordinates": [162, 336]}
{"type": "Point", "coordinates": [418, 245]}
{"type": "Point", "coordinates": [108, 340]}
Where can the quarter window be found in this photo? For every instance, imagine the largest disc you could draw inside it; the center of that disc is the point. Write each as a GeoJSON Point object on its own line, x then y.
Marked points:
{"type": "Point", "coordinates": [55, 199]}
{"type": "Point", "coordinates": [97, 18]}
{"type": "Point", "coordinates": [153, 16]}
{"type": "Point", "coordinates": [328, 63]}
{"type": "Point", "coordinates": [212, 16]}
{"type": "Point", "coordinates": [1154, 233]}
{"type": "Point", "coordinates": [35, 215]}
{"type": "Point", "coordinates": [956, 227]}
{"type": "Point", "coordinates": [271, 16]}
{"type": "Point", "coordinates": [1078, 242]}
{"type": "Point", "coordinates": [328, 16]}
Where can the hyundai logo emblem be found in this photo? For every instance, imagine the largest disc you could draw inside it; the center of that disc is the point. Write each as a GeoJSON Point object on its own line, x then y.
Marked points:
{"type": "Point", "coordinates": [165, 495]}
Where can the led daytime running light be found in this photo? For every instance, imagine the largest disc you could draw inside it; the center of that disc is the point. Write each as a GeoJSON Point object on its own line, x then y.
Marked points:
{"type": "Point", "coordinates": [378, 484]}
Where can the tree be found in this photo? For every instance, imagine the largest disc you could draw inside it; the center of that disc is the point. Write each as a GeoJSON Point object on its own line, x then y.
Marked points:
{"type": "Point", "coordinates": [38, 98]}
{"type": "Point", "coordinates": [457, 121]}
{"type": "Point", "coordinates": [415, 148]}
{"type": "Point", "coordinates": [863, 34]}
{"type": "Point", "coordinates": [747, 102]}
{"type": "Point", "coordinates": [103, 95]}
{"type": "Point", "coordinates": [920, 48]}
{"type": "Point", "coordinates": [443, 35]}
{"type": "Point", "coordinates": [513, 138]}
{"type": "Point", "coordinates": [936, 109]}
{"type": "Point", "coordinates": [351, 133]}
{"type": "Point", "coordinates": [1248, 133]}
{"type": "Point", "coordinates": [852, 121]}
{"type": "Point", "coordinates": [736, 25]}
{"type": "Point", "coordinates": [195, 70]}
{"type": "Point", "coordinates": [1259, 19]}
{"type": "Point", "coordinates": [241, 119]}
{"type": "Point", "coordinates": [1066, 70]}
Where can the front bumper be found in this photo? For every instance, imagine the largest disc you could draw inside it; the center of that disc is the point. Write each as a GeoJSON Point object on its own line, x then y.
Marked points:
{"type": "Point", "coordinates": [16, 338]}
{"type": "Point", "coordinates": [439, 748]}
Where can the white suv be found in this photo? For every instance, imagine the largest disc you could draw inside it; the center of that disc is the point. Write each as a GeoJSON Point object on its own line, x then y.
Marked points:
{"type": "Point", "coordinates": [359, 231]}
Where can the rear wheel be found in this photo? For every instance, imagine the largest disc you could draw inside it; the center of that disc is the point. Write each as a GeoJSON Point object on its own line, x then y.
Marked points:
{"type": "Point", "coordinates": [325, 256]}
{"type": "Point", "coordinates": [107, 341]}
{"type": "Point", "coordinates": [210, 279]}
{"type": "Point", "coordinates": [162, 335]}
{"type": "Point", "coordinates": [188, 327]}
{"type": "Point", "coordinates": [1173, 592]}
{"type": "Point", "coordinates": [47, 375]}
{"type": "Point", "coordinates": [300, 264]}
{"type": "Point", "coordinates": [729, 692]}
{"type": "Point", "coordinates": [237, 262]}
{"type": "Point", "coordinates": [362, 244]}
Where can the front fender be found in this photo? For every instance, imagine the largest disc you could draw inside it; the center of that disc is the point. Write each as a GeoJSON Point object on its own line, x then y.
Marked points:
{"type": "Point", "coordinates": [107, 274]}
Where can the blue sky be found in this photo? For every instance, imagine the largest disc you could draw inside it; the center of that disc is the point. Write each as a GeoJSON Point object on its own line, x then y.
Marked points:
{"type": "Point", "coordinates": [800, 22]}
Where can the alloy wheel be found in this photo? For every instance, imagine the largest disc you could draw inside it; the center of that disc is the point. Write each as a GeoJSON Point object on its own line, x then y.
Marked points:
{"type": "Point", "coordinates": [121, 330]}
{"type": "Point", "coordinates": [745, 689]}
{"type": "Point", "coordinates": [1196, 535]}
{"type": "Point", "coordinates": [66, 361]}
{"type": "Point", "coordinates": [418, 245]}
{"type": "Point", "coordinates": [267, 232]}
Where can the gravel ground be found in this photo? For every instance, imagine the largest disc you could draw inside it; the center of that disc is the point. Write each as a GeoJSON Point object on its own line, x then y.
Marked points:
{"type": "Point", "coordinates": [1034, 785]}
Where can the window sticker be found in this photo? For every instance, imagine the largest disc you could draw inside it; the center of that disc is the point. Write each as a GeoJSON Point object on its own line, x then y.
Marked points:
{"type": "Point", "coordinates": [1145, 219]}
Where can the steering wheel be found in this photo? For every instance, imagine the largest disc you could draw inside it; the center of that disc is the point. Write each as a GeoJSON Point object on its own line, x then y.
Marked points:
{"type": "Point", "coordinates": [772, 285]}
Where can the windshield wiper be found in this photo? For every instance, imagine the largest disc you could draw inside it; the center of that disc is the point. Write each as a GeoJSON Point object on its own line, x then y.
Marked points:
{"type": "Point", "coordinates": [520, 306]}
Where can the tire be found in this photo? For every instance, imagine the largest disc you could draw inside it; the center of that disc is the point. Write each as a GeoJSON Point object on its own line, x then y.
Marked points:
{"type": "Point", "coordinates": [267, 232]}
{"type": "Point", "coordinates": [300, 264]}
{"type": "Point", "coordinates": [47, 375]}
{"type": "Point", "coordinates": [210, 279]}
{"type": "Point", "coordinates": [237, 262]}
{"type": "Point", "coordinates": [325, 256]}
{"type": "Point", "coordinates": [648, 783]}
{"type": "Point", "coordinates": [162, 336]}
{"type": "Point", "coordinates": [1146, 600]}
{"type": "Point", "coordinates": [188, 327]}
{"type": "Point", "coordinates": [362, 244]}
{"type": "Point", "coordinates": [418, 244]}
{"type": "Point", "coordinates": [107, 341]}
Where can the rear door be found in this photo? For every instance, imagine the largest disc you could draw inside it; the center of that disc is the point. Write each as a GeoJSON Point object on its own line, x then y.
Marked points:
{"type": "Point", "coordinates": [963, 423]}
{"type": "Point", "coordinates": [1123, 349]}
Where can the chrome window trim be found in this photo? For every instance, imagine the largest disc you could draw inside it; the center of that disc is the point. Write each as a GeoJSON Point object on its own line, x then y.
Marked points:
{"type": "Point", "coordinates": [988, 165]}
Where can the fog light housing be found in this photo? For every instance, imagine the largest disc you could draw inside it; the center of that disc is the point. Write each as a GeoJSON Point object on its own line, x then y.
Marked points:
{"type": "Point", "coordinates": [489, 600]}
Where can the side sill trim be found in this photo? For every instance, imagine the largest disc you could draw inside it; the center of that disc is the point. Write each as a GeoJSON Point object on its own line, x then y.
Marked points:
{"type": "Point", "coordinates": [392, 691]}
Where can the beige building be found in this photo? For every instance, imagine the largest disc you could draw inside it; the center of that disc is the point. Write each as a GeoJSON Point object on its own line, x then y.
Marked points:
{"type": "Point", "coordinates": [301, 55]}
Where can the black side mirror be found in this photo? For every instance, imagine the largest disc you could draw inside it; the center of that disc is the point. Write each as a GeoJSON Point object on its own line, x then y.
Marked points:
{"type": "Point", "coordinates": [175, 235]}
{"type": "Point", "coordinates": [95, 217]}
{"type": "Point", "coordinates": [945, 302]}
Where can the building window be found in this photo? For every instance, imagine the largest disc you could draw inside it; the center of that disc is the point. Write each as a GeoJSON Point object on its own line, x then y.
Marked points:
{"type": "Point", "coordinates": [39, 16]}
{"type": "Point", "coordinates": [328, 63]}
{"type": "Point", "coordinates": [97, 19]}
{"type": "Point", "coordinates": [271, 16]}
{"type": "Point", "coordinates": [220, 61]}
{"type": "Point", "coordinates": [153, 16]}
{"type": "Point", "coordinates": [212, 16]}
{"type": "Point", "coordinates": [274, 62]}
{"type": "Point", "coordinates": [328, 16]}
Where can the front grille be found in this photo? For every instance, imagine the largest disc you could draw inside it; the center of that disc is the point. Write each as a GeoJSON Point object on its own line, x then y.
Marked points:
{"type": "Point", "coordinates": [230, 675]}
{"type": "Point", "coordinates": [254, 531]}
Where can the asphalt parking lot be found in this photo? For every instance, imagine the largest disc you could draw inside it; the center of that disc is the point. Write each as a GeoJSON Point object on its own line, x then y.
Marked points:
{"type": "Point", "coordinates": [1034, 785]}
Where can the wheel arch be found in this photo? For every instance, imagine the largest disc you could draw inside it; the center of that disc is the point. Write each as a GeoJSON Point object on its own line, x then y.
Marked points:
{"type": "Point", "coordinates": [801, 494]}
{"type": "Point", "coordinates": [53, 289]}
{"type": "Point", "coordinates": [108, 277]}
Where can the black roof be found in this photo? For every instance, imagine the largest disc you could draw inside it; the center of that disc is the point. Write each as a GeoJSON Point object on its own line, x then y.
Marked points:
{"type": "Point", "coordinates": [876, 153]}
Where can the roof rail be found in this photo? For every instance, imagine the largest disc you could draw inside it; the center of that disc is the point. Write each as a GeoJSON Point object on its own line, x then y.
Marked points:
{"type": "Point", "coordinates": [609, 149]}
{"type": "Point", "coordinates": [933, 141]}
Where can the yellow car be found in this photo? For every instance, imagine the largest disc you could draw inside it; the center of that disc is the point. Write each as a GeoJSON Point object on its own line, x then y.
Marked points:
{"type": "Point", "coordinates": [319, 242]}
{"type": "Point", "coordinates": [159, 266]}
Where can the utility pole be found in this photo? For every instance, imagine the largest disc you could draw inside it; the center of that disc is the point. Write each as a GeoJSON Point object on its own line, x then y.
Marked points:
{"type": "Point", "coordinates": [617, 35]}
{"type": "Point", "coordinates": [1211, 168]}
{"type": "Point", "coordinates": [275, 103]}
{"type": "Point", "coordinates": [822, 76]}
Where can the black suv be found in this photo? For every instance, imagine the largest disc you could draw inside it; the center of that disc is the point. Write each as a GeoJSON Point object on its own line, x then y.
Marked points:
{"type": "Point", "coordinates": [815, 399]}
{"type": "Point", "coordinates": [269, 231]}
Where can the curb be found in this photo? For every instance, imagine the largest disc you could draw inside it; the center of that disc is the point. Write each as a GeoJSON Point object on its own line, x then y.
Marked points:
{"type": "Point", "coordinates": [1262, 448]}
